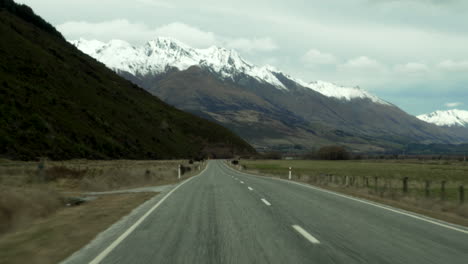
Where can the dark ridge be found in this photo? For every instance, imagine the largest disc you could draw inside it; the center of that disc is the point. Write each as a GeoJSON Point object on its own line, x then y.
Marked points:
{"type": "Point", "coordinates": [26, 13]}
{"type": "Point", "coordinates": [60, 103]}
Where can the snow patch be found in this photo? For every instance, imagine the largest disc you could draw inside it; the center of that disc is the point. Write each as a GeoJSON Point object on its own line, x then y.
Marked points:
{"type": "Point", "coordinates": [449, 118]}
{"type": "Point", "coordinates": [157, 56]}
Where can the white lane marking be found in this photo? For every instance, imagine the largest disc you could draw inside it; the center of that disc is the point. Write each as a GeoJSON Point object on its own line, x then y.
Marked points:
{"type": "Point", "coordinates": [425, 219]}
{"type": "Point", "coordinates": [250, 188]}
{"type": "Point", "coordinates": [242, 182]}
{"type": "Point", "coordinates": [114, 244]}
{"type": "Point", "coordinates": [266, 202]}
{"type": "Point", "coordinates": [306, 234]}
{"type": "Point", "coordinates": [389, 209]}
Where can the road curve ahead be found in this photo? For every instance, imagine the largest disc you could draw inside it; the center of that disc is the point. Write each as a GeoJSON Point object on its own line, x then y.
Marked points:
{"type": "Point", "coordinates": [224, 216]}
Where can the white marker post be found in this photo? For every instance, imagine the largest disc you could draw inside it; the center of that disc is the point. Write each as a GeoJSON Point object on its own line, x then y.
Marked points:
{"type": "Point", "coordinates": [179, 172]}
{"type": "Point", "coordinates": [290, 173]}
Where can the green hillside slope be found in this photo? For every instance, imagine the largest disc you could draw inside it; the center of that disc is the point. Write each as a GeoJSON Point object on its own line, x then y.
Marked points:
{"type": "Point", "coordinates": [58, 102]}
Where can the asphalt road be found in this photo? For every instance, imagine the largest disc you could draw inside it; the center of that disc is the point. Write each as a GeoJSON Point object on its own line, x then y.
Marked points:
{"type": "Point", "coordinates": [223, 216]}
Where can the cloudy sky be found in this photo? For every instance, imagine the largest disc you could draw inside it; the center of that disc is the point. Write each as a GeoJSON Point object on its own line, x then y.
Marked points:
{"type": "Point", "coordinates": [413, 53]}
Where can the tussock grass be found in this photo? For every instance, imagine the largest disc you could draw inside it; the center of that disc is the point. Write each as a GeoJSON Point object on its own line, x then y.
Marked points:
{"type": "Point", "coordinates": [84, 175]}
{"type": "Point", "coordinates": [18, 206]}
{"type": "Point", "coordinates": [28, 193]}
{"type": "Point", "coordinates": [52, 239]}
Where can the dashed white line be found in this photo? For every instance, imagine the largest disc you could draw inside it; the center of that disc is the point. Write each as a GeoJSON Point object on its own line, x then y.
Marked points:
{"type": "Point", "coordinates": [250, 188]}
{"type": "Point", "coordinates": [242, 182]}
{"type": "Point", "coordinates": [395, 210]}
{"type": "Point", "coordinates": [266, 202]}
{"type": "Point", "coordinates": [305, 234]}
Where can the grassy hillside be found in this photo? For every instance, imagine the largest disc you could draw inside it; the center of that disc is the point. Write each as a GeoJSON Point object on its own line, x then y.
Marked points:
{"type": "Point", "coordinates": [60, 103]}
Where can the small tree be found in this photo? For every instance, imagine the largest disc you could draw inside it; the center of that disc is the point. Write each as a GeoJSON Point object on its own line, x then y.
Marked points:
{"type": "Point", "coordinates": [333, 153]}
{"type": "Point", "coordinates": [272, 155]}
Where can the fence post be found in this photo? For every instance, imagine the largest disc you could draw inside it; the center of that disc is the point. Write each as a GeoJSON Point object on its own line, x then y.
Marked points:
{"type": "Point", "coordinates": [346, 181]}
{"type": "Point", "coordinates": [179, 172]}
{"type": "Point", "coordinates": [426, 188]}
{"type": "Point", "coordinates": [405, 185]}
{"type": "Point", "coordinates": [461, 191]}
{"type": "Point", "coordinates": [376, 183]}
{"type": "Point", "coordinates": [442, 190]}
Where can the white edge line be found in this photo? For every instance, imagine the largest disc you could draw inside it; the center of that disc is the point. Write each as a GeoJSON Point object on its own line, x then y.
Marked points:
{"type": "Point", "coordinates": [250, 188]}
{"type": "Point", "coordinates": [426, 219]}
{"type": "Point", "coordinates": [306, 234]}
{"type": "Point", "coordinates": [266, 202]}
{"type": "Point", "coordinates": [114, 244]}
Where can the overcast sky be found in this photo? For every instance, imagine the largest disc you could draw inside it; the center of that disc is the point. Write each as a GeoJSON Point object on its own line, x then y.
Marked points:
{"type": "Point", "coordinates": [413, 53]}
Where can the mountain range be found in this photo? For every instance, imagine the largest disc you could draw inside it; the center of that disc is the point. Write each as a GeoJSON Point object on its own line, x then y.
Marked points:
{"type": "Point", "coordinates": [267, 107]}
{"type": "Point", "coordinates": [448, 118]}
{"type": "Point", "coordinates": [60, 103]}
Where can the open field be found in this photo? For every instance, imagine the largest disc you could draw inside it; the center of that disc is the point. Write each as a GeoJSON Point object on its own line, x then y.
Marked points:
{"type": "Point", "coordinates": [86, 175]}
{"type": "Point", "coordinates": [437, 187]}
{"type": "Point", "coordinates": [53, 238]}
{"type": "Point", "coordinates": [34, 198]}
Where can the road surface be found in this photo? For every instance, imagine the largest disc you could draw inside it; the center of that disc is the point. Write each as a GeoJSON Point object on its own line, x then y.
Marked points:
{"type": "Point", "coordinates": [224, 216]}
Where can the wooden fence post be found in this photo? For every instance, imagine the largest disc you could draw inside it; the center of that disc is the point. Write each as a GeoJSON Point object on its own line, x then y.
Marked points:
{"type": "Point", "coordinates": [426, 188]}
{"type": "Point", "coordinates": [442, 190]}
{"type": "Point", "coordinates": [461, 192]}
{"type": "Point", "coordinates": [405, 185]}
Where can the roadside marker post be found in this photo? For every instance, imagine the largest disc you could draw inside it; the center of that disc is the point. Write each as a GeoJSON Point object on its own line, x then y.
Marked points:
{"type": "Point", "coordinates": [290, 173]}
{"type": "Point", "coordinates": [179, 172]}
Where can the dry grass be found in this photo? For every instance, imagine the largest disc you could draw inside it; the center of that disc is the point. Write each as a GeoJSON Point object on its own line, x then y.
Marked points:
{"type": "Point", "coordinates": [18, 206]}
{"type": "Point", "coordinates": [52, 239]}
{"type": "Point", "coordinates": [84, 175]}
{"type": "Point", "coordinates": [28, 193]}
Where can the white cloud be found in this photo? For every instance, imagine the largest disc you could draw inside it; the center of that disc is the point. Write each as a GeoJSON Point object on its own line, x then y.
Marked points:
{"type": "Point", "coordinates": [362, 63]}
{"type": "Point", "coordinates": [190, 35]}
{"type": "Point", "coordinates": [138, 33]}
{"type": "Point", "coordinates": [251, 45]}
{"type": "Point", "coordinates": [314, 56]}
{"type": "Point", "coordinates": [107, 30]}
{"type": "Point", "coordinates": [450, 65]}
{"type": "Point", "coordinates": [453, 104]}
{"type": "Point", "coordinates": [156, 3]}
{"type": "Point", "coordinates": [412, 68]}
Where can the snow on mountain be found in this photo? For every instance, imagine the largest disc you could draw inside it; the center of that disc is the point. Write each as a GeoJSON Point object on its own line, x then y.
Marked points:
{"type": "Point", "coordinates": [159, 55]}
{"type": "Point", "coordinates": [449, 118]}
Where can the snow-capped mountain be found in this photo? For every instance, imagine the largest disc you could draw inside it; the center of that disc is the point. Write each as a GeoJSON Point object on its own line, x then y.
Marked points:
{"type": "Point", "coordinates": [268, 108]}
{"type": "Point", "coordinates": [160, 55]}
{"type": "Point", "coordinates": [448, 118]}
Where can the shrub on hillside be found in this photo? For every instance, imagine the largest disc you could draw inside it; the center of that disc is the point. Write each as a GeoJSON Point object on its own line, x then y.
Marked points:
{"type": "Point", "coordinates": [333, 153]}
{"type": "Point", "coordinates": [273, 155]}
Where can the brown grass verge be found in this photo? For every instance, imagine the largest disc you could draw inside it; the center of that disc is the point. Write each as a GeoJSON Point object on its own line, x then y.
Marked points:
{"type": "Point", "coordinates": [52, 239]}
{"type": "Point", "coordinates": [18, 206]}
